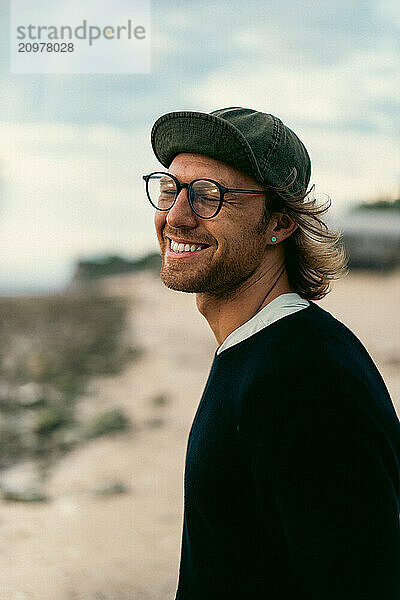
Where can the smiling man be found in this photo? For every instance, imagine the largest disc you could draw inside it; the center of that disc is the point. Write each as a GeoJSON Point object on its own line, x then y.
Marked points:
{"type": "Point", "coordinates": [292, 464]}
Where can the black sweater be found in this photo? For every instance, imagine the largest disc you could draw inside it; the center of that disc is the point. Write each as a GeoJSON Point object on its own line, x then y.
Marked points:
{"type": "Point", "coordinates": [292, 471]}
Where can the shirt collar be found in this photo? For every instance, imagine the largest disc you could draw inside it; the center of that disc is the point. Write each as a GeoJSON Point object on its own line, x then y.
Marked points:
{"type": "Point", "coordinates": [280, 307]}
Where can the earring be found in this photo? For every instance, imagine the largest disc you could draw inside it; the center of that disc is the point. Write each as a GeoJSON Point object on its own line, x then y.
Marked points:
{"type": "Point", "coordinates": [273, 238]}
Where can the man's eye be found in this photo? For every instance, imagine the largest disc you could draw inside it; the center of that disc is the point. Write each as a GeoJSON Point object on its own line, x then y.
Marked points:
{"type": "Point", "coordinates": [207, 198]}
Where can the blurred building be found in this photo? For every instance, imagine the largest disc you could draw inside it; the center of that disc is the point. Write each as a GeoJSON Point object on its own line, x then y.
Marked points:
{"type": "Point", "coordinates": [371, 238]}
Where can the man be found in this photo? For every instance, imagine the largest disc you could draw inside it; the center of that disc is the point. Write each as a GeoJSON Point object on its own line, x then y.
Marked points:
{"type": "Point", "coordinates": [292, 464]}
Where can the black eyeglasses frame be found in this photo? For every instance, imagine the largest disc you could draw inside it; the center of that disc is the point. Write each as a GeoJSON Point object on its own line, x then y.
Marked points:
{"type": "Point", "coordinates": [189, 186]}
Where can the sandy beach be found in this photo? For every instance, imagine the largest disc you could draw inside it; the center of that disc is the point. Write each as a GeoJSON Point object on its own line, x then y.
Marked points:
{"type": "Point", "coordinates": [126, 546]}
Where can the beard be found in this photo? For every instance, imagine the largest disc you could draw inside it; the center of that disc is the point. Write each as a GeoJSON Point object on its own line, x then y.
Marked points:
{"type": "Point", "coordinates": [219, 277]}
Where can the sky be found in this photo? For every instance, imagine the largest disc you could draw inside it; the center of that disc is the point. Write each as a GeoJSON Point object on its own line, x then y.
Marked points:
{"type": "Point", "coordinates": [73, 147]}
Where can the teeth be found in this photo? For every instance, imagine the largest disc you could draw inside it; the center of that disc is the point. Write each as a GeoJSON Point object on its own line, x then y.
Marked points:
{"type": "Point", "coordinates": [184, 247]}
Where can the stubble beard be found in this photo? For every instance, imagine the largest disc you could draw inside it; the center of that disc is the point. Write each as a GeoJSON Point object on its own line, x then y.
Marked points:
{"type": "Point", "coordinates": [218, 278]}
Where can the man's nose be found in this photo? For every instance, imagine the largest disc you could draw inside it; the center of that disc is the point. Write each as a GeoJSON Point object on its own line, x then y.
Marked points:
{"type": "Point", "coordinates": [181, 214]}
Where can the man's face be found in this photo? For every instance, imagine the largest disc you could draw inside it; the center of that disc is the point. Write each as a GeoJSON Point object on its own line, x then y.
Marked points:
{"type": "Point", "coordinates": [233, 243]}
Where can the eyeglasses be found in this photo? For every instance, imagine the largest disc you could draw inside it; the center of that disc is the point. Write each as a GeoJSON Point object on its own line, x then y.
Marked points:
{"type": "Point", "coordinates": [205, 196]}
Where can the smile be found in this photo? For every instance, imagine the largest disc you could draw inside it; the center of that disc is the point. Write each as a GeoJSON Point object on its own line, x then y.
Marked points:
{"type": "Point", "coordinates": [182, 248]}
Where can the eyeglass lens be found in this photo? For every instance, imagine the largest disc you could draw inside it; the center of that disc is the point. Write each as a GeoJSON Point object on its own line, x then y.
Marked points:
{"type": "Point", "coordinates": [162, 192]}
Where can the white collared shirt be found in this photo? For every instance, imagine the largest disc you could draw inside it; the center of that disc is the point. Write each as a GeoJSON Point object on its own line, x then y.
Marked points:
{"type": "Point", "coordinates": [280, 307]}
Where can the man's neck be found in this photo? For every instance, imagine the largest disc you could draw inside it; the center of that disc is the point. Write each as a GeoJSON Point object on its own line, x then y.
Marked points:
{"type": "Point", "coordinates": [224, 315]}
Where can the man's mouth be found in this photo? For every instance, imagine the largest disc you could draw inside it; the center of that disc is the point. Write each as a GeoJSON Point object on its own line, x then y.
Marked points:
{"type": "Point", "coordinates": [183, 247]}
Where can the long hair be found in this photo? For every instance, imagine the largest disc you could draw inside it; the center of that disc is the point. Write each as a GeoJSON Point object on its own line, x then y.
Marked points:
{"type": "Point", "coordinates": [314, 254]}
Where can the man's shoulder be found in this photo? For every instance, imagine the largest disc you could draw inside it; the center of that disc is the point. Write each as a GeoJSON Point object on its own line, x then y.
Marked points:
{"type": "Point", "coordinates": [307, 353]}
{"type": "Point", "coordinates": [316, 338]}
{"type": "Point", "coordinates": [318, 343]}
{"type": "Point", "coordinates": [316, 364]}
{"type": "Point", "coordinates": [311, 336]}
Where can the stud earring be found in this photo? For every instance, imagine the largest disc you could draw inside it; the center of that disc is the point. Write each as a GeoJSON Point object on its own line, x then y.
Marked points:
{"type": "Point", "coordinates": [273, 238]}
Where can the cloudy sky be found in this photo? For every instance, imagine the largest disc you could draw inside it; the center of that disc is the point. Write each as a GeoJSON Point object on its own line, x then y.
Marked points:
{"type": "Point", "coordinates": [73, 147]}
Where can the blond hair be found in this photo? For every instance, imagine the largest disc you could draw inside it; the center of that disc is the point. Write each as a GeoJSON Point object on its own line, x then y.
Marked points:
{"type": "Point", "coordinates": [314, 254]}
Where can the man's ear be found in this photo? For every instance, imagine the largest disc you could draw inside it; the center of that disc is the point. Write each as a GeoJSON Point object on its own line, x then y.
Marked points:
{"type": "Point", "coordinates": [282, 226]}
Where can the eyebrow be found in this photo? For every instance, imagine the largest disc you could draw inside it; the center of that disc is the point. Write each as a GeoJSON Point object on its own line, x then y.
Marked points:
{"type": "Point", "coordinates": [221, 181]}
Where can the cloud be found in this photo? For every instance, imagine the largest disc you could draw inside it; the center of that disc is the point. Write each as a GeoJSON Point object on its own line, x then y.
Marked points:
{"type": "Point", "coordinates": [195, 40]}
{"type": "Point", "coordinates": [70, 191]}
{"type": "Point", "coordinates": [389, 11]}
{"type": "Point", "coordinates": [346, 113]}
{"type": "Point", "coordinates": [343, 93]}
{"type": "Point", "coordinates": [353, 167]}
